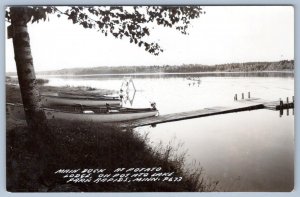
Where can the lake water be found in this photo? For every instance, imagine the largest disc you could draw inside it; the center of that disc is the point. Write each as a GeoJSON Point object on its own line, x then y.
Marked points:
{"type": "Point", "coordinates": [246, 151]}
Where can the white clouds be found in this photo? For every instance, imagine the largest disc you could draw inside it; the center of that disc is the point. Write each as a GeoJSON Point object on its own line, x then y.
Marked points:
{"type": "Point", "coordinates": [223, 34]}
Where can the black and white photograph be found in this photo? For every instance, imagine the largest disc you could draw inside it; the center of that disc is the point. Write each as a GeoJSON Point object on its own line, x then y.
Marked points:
{"type": "Point", "coordinates": [149, 98]}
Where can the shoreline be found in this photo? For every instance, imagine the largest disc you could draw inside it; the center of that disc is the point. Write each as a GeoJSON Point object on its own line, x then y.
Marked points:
{"type": "Point", "coordinates": [74, 144]}
{"type": "Point", "coordinates": [13, 94]}
{"type": "Point", "coordinates": [162, 73]}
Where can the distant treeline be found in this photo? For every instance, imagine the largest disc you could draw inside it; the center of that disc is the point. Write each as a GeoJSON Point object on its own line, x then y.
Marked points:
{"type": "Point", "coordinates": [284, 65]}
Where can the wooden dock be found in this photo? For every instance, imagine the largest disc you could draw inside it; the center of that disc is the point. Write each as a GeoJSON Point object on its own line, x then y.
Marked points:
{"type": "Point", "coordinates": [272, 105]}
{"type": "Point", "coordinates": [246, 105]}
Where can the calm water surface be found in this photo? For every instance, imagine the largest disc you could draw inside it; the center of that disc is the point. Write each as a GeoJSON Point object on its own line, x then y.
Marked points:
{"type": "Point", "coordinates": [247, 151]}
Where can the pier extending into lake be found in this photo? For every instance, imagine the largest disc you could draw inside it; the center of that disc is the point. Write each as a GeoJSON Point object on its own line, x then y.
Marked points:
{"type": "Point", "coordinates": [246, 105]}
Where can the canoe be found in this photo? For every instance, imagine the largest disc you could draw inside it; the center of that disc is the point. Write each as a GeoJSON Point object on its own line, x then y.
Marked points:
{"type": "Point", "coordinates": [94, 95]}
{"type": "Point", "coordinates": [49, 100]}
{"type": "Point", "coordinates": [96, 114]}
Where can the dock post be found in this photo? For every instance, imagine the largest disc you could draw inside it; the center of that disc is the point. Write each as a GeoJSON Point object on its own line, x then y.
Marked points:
{"type": "Point", "coordinates": [280, 112]}
{"type": "Point", "coordinates": [281, 104]}
{"type": "Point", "coordinates": [248, 95]}
{"type": "Point", "coordinates": [293, 99]}
{"type": "Point", "coordinates": [287, 112]}
{"type": "Point", "coordinates": [242, 95]}
{"type": "Point", "coordinates": [235, 97]}
{"type": "Point", "coordinates": [293, 111]}
{"type": "Point", "coordinates": [287, 100]}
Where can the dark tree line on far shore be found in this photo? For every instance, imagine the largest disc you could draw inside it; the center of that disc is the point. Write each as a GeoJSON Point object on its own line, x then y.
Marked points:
{"type": "Point", "coordinates": [284, 65]}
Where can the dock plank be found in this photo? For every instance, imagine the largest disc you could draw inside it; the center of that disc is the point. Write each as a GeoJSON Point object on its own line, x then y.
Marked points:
{"type": "Point", "coordinates": [189, 115]}
{"type": "Point", "coordinates": [271, 105]}
{"type": "Point", "coordinates": [246, 105]}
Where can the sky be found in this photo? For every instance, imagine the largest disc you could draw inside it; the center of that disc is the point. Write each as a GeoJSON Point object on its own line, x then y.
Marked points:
{"type": "Point", "coordinates": [225, 34]}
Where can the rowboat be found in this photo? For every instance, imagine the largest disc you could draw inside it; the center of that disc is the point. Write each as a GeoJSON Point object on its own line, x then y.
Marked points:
{"type": "Point", "coordinates": [93, 95]}
{"type": "Point", "coordinates": [197, 79]}
{"type": "Point", "coordinates": [96, 114]}
{"type": "Point", "coordinates": [50, 100]}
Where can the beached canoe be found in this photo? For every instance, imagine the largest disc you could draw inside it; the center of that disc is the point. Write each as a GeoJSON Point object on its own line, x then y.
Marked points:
{"type": "Point", "coordinates": [100, 114]}
{"type": "Point", "coordinates": [49, 100]}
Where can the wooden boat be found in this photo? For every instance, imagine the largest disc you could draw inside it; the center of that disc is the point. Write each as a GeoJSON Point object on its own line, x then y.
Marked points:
{"type": "Point", "coordinates": [50, 100]}
{"type": "Point", "coordinates": [96, 114]}
{"type": "Point", "coordinates": [197, 79]}
{"type": "Point", "coordinates": [86, 95]}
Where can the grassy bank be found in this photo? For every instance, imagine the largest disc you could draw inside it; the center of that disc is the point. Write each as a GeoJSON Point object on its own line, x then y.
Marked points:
{"type": "Point", "coordinates": [32, 161]}
{"type": "Point", "coordinates": [13, 94]}
{"type": "Point", "coordinates": [14, 80]}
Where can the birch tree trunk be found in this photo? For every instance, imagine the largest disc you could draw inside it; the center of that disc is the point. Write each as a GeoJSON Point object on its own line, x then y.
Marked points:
{"type": "Point", "coordinates": [35, 116]}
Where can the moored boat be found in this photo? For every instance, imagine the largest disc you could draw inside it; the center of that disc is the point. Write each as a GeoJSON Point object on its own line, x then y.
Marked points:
{"type": "Point", "coordinates": [96, 114]}
{"type": "Point", "coordinates": [50, 100]}
{"type": "Point", "coordinates": [197, 79]}
{"type": "Point", "coordinates": [86, 95]}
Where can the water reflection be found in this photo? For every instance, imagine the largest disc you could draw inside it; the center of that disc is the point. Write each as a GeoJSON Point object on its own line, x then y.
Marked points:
{"type": "Point", "coordinates": [246, 151]}
{"type": "Point", "coordinates": [194, 83]}
{"type": "Point", "coordinates": [281, 112]}
{"type": "Point", "coordinates": [128, 97]}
